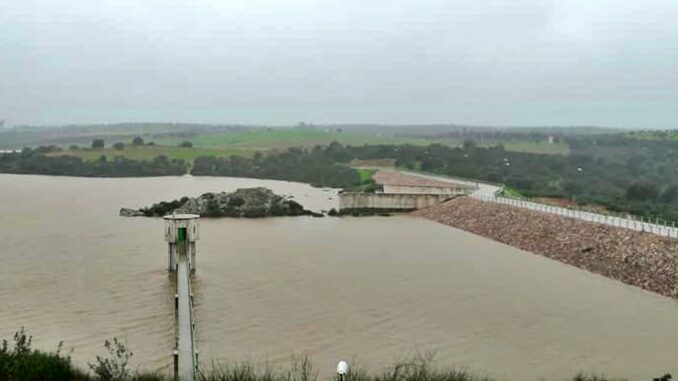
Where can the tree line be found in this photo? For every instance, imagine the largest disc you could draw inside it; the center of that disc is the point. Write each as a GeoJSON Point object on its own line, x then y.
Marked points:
{"type": "Point", "coordinates": [317, 166]}
{"type": "Point", "coordinates": [626, 175]}
{"type": "Point", "coordinates": [35, 161]}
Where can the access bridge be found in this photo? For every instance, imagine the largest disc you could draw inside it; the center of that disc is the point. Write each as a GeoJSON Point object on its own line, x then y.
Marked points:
{"type": "Point", "coordinates": [181, 234]}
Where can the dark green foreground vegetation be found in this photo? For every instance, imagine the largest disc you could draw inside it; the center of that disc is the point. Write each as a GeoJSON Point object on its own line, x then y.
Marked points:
{"type": "Point", "coordinates": [20, 362]}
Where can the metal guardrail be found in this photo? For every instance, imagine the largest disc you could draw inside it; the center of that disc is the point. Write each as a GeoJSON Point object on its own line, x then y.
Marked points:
{"type": "Point", "coordinates": [624, 220]}
{"type": "Point", "coordinates": [659, 227]}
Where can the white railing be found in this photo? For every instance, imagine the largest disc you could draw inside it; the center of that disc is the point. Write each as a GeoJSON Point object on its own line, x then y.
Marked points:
{"type": "Point", "coordinates": [627, 221]}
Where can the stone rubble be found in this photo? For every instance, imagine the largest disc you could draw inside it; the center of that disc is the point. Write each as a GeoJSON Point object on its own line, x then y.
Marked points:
{"type": "Point", "coordinates": [641, 259]}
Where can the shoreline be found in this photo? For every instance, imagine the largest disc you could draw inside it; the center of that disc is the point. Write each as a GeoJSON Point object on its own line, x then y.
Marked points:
{"type": "Point", "coordinates": [639, 259]}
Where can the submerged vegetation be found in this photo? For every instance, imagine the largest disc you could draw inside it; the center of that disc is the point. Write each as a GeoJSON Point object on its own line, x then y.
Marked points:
{"type": "Point", "coordinates": [21, 362]}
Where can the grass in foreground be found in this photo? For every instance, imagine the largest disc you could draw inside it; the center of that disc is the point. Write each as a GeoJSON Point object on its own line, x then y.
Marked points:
{"type": "Point", "coordinates": [22, 363]}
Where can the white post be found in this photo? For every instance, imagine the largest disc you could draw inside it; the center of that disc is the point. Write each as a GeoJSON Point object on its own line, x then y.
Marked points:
{"type": "Point", "coordinates": [342, 370]}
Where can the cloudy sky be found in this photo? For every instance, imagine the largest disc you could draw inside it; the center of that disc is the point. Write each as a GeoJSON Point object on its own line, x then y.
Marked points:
{"type": "Point", "coordinates": [513, 62]}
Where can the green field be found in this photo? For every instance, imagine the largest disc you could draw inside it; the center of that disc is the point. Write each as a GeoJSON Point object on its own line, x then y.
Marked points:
{"type": "Point", "coordinates": [652, 135]}
{"type": "Point", "coordinates": [234, 141]}
{"type": "Point", "coordinates": [269, 138]}
{"type": "Point", "coordinates": [241, 143]}
{"type": "Point", "coordinates": [149, 152]}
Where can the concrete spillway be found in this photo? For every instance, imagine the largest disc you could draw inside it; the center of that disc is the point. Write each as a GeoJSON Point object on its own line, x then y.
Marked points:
{"type": "Point", "coordinates": [187, 359]}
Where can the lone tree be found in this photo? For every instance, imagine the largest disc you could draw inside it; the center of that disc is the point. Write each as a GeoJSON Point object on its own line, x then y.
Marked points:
{"type": "Point", "coordinates": [137, 141]}
{"type": "Point", "coordinates": [186, 144]}
{"type": "Point", "coordinates": [119, 146]}
{"type": "Point", "coordinates": [98, 143]}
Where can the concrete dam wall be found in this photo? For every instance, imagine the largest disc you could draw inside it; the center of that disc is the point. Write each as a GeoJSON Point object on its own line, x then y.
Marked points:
{"type": "Point", "coordinates": [425, 189]}
{"type": "Point", "coordinates": [389, 201]}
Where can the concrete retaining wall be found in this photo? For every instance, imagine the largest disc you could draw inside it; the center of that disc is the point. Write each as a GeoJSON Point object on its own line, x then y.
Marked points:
{"type": "Point", "coordinates": [413, 189]}
{"type": "Point", "coordinates": [389, 201]}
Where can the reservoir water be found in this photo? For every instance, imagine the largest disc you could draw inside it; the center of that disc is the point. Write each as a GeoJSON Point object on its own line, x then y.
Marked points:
{"type": "Point", "coordinates": [375, 289]}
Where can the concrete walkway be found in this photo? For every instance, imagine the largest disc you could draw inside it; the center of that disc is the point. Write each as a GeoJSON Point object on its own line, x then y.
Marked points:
{"type": "Point", "coordinates": [187, 359]}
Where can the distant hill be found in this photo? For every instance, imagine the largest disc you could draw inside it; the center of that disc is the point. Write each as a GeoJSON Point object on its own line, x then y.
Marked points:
{"type": "Point", "coordinates": [430, 130]}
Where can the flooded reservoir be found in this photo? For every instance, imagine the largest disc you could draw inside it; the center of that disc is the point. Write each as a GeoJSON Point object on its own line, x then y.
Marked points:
{"type": "Point", "coordinates": [375, 289]}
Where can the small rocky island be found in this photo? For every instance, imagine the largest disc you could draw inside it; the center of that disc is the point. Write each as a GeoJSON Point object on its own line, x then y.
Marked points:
{"type": "Point", "coordinates": [244, 202]}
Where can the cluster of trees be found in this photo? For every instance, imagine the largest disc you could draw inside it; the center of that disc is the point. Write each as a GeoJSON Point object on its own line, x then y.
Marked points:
{"type": "Point", "coordinates": [317, 166]}
{"type": "Point", "coordinates": [34, 161]}
{"type": "Point", "coordinates": [583, 177]}
{"type": "Point", "coordinates": [137, 141]}
{"type": "Point", "coordinates": [621, 174]}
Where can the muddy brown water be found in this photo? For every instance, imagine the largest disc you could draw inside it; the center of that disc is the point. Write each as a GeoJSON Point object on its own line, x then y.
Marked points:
{"type": "Point", "coordinates": [375, 289]}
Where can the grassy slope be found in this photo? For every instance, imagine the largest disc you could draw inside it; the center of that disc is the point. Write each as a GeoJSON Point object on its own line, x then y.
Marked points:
{"type": "Point", "coordinates": [366, 174]}
{"type": "Point", "coordinates": [265, 139]}
{"type": "Point", "coordinates": [652, 135]}
{"type": "Point", "coordinates": [221, 144]}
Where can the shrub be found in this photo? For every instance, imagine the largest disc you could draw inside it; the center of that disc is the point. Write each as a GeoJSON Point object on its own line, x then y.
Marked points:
{"type": "Point", "coordinates": [114, 366]}
{"type": "Point", "coordinates": [22, 363]}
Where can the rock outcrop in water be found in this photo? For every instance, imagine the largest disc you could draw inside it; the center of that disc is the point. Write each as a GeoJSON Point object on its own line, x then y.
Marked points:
{"type": "Point", "coordinates": [246, 202]}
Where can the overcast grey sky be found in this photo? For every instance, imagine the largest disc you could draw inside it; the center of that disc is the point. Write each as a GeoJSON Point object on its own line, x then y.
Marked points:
{"type": "Point", "coordinates": [513, 62]}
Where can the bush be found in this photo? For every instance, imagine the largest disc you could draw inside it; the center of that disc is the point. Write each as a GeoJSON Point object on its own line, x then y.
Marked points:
{"type": "Point", "coordinates": [114, 366]}
{"type": "Point", "coordinates": [119, 146]}
{"type": "Point", "coordinates": [186, 144]}
{"type": "Point", "coordinates": [21, 363]}
{"type": "Point", "coordinates": [137, 141]}
{"type": "Point", "coordinates": [98, 143]}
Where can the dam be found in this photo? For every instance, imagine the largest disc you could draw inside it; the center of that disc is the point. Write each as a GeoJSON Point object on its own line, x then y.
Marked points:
{"type": "Point", "coordinates": [266, 289]}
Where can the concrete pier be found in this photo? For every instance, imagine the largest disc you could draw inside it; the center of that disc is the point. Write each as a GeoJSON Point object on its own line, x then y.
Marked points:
{"type": "Point", "coordinates": [181, 233]}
